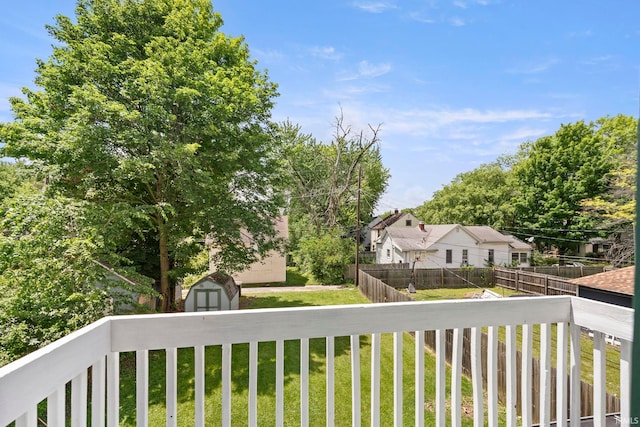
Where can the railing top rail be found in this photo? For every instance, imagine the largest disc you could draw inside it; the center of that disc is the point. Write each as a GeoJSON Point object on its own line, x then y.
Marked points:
{"type": "Point", "coordinates": [608, 318]}
{"type": "Point", "coordinates": [38, 374]}
{"type": "Point", "coordinates": [189, 329]}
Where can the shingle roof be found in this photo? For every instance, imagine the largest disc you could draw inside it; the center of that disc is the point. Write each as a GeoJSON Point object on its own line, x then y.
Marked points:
{"type": "Point", "coordinates": [516, 243]}
{"type": "Point", "coordinates": [437, 232]}
{"type": "Point", "coordinates": [486, 234]}
{"type": "Point", "coordinates": [388, 220]}
{"type": "Point", "coordinates": [620, 280]}
{"type": "Point", "coordinates": [408, 239]}
{"type": "Point", "coordinates": [227, 282]}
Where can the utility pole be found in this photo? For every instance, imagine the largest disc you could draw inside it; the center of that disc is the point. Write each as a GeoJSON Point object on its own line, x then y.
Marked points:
{"type": "Point", "coordinates": [357, 278]}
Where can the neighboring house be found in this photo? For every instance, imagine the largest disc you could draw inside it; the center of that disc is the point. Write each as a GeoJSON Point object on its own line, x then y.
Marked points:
{"type": "Point", "coordinates": [597, 246]}
{"type": "Point", "coordinates": [397, 219]}
{"type": "Point", "coordinates": [450, 245]}
{"type": "Point", "coordinates": [129, 292]}
{"type": "Point", "coordinates": [613, 287]}
{"type": "Point", "coordinates": [270, 269]}
{"type": "Point", "coordinates": [366, 233]}
{"type": "Point", "coordinates": [214, 292]}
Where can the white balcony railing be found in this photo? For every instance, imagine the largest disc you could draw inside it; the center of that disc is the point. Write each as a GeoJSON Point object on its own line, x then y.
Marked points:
{"type": "Point", "coordinates": [44, 375]}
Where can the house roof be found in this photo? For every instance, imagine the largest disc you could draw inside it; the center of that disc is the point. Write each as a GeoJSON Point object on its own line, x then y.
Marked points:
{"type": "Point", "coordinates": [516, 243]}
{"type": "Point", "coordinates": [620, 280]}
{"type": "Point", "coordinates": [408, 239]}
{"type": "Point", "coordinates": [388, 220]}
{"type": "Point", "coordinates": [437, 232]}
{"type": "Point", "coordinates": [486, 234]}
{"type": "Point", "coordinates": [414, 239]}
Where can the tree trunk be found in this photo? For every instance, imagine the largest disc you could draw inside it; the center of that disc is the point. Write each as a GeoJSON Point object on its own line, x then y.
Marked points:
{"type": "Point", "coordinates": [165, 289]}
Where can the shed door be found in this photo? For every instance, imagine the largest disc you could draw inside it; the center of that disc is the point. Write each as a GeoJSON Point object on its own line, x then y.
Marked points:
{"type": "Point", "coordinates": [207, 299]}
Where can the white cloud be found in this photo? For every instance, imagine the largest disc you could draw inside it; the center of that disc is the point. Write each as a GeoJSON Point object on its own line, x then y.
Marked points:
{"type": "Point", "coordinates": [460, 4]}
{"type": "Point", "coordinates": [534, 67]}
{"type": "Point", "coordinates": [580, 34]}
{"type": "Point", "coordinates": [366, 69]}
{"type": "Point", "coordinates": [456, 21]}
{"type": "Point", "coordinates": [524, 134]}
{"type": "Point", "coordinates": [374, 6]}
{"type": "Point", "coordinates": [422, 17]}
{"type": "Point", "coordinates": [325, 52]}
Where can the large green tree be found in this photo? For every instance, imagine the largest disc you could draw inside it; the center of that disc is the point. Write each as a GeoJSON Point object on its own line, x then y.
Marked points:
{"type": "Point", "coordinates": [483, 196]}
{"type": "Point", "coordinates": [148, 109]}
{"type": "Point", "coordinates": [556, 175]}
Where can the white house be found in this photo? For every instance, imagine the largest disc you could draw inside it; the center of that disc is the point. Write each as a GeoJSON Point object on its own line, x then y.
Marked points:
{"type": "Point", "coordinates": [450, 245]}
{"type": "Point", "coordinates": [397, 219]}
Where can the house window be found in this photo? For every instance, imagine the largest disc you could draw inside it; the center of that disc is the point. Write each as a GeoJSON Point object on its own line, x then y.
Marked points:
{"type": "Point", "coordinates": [523, 258]}
{"type": "Point", "coordinates": [491, 259]}
{"type": "Point", "coordinates": [388, 253]}
{"type": "Point", "coordinates": [465, 257]}
{"type": "Point", "coordinates": [449, 256]}
{"type": "Point", "coordinates": [408, 223]}
{"type": "Point", "coordinates": [515, 258]}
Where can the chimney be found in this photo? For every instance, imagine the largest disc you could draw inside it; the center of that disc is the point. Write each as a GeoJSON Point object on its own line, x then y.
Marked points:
{"type": "Point", "coordinates": [421, 225]}
{"type": "Point", "coordinates": [396, 211]}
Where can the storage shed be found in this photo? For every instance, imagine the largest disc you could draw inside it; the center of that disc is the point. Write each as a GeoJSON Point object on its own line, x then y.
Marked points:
{"type": "Point", "coordinates": [214, 292]}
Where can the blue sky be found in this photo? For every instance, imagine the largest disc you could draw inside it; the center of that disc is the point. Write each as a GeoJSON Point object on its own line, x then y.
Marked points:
{"type": "Point", "coordinates": [453, 84]}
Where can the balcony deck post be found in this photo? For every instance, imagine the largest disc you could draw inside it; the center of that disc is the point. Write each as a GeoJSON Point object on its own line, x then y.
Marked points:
{"type": "Point", "coordinates": [419, 379]}
{"type": "Point", "coordinates": [55, 407]}
{"type": "Point", "coordinates": [441, 377]}
{"type": "Point", "coordinates": [397, 379]}
{"type": "Point", "coordinates": [526, 376]}
{"type": "Point", "coordinates": [574, 374]}
{"type": "Point", "coordinates": [561, 372]}
{"type": "Point", "coordinates": [113, 389]}
{"type": "Point", "coordinates": [304, 382]}
{"type": "Point", "coordinates": [142, 387]}
{"type": "Point", "coordinates": [79, 400]}
{"type": "Point", "coordinates": [511, 379]}
{"type": "Point", "coordinates": [599, 379]}
{"type": "Point", "coordinates": [253, 384]}
{"type": "Point", "coordinates": [375, 380]}
{"type": "Point", "coordinates": [456, 379]}
{"type": "Point", "coordinates": [355, 381]}
{"type": "Point", "coordinates": [199, 372]}
{"type": "Point", "coordinates": [476, 376]}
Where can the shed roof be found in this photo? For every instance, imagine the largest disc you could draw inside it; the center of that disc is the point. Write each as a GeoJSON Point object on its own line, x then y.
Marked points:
{"type": "Point", "coordinates": [227, 282]}
{"type": "Point", "coordinates": [620, 280]}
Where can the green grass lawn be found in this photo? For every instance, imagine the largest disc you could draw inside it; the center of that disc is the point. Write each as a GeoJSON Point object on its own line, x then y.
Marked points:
{"type": "Point", "coordinates": [266, 375]}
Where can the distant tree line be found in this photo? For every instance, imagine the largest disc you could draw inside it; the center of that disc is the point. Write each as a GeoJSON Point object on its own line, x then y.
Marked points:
{"type": "Point", "coordinates": [561, 190]}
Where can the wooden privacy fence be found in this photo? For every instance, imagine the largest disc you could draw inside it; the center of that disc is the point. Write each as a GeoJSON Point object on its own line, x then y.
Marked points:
{"type": "Point", "coordinates": [430, 278]}
{"type": "Point", "coordinates": [533, 283]}
{"type": "Point", "coordinates": [378, 291]}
